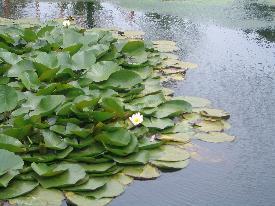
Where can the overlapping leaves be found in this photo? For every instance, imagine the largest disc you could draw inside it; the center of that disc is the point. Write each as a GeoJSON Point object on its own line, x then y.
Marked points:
{"type": "Point", "coordinates": [66, 95]}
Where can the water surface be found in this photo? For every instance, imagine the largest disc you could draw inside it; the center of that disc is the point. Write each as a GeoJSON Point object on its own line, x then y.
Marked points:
{"type": "Point", "coordinates": [233, 44]}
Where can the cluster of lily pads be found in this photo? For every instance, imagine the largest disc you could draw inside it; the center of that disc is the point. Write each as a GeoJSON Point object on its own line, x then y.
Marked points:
{"type": "Point", "coordinates": [83, 112]}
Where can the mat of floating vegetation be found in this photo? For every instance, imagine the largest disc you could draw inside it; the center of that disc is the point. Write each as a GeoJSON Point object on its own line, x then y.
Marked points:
{"type": "Point", "coordinates": [84, 112]}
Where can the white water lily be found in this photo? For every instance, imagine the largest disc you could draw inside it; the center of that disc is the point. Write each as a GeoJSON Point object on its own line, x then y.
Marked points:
{"type": "Point", "coordinates": [66, 23]}
{"type": "Point", "coordinates": [136, 119]}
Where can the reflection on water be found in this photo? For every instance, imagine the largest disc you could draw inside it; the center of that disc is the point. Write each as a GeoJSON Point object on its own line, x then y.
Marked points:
{"type": "Point", "coordinates": [233, 43]}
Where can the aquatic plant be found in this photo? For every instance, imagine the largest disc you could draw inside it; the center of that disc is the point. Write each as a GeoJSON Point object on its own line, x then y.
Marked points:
{"type": "Point", "coordinates": [83, 112]}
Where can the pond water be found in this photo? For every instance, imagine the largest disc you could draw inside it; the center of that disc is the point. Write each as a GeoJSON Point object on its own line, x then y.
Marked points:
{"type": "Point", "coordinates": [233, 42]}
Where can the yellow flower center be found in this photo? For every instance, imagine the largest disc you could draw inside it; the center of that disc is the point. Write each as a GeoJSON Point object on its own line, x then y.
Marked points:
{"type": "Point", "coordinates": [136, 119]}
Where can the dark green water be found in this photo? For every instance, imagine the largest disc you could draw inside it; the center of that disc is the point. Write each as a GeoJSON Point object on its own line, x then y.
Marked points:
{"type": "Point", "coordinates": [234, 44]}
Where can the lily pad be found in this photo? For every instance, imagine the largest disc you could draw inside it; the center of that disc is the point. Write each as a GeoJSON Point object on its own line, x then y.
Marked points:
{"type": "Point", "coordinates": [123, 79]}
{"type": "Point", "coordinates": [169, 153]}
{"type": "Point", "coordinates": [171, 165]}
{"type": "Point", "coordinates": [113, 188]}
{"type": "Point", "coordinates": [80, 200]}
{"type": "Point", "coordinates": [17, 188]}
{"type": "Point", "coordinates": [44, 170]}
{"type": "Point", "coordinates": [92, 184]}
{"type": "Point", "coordinates": [158, 123]}
{"type": "Point", "coordinates": [215, 113]}
{"type": "Point", "coordinates": [10, 143]}
{"type": "Point", "coordinates": [6, 178]}
{"type": "Point", "coordinates": [102, 70]}
{"type": "Point", "coordinates": [172, 108]}
{"type": "Point", "coordinates": [40, 197]}
{"type": "Point", "coordinates": [9, 161]}
{"type": "Point", "coordinates": [215, 137]}
{"type": "Point", "coordinates": [210, 126]}
{"type": "Point", "coordinates": [195, 101]}
{"type": "Point", "coordinates": [74, 174]}
{"type": "Point", "coordinates": [8, 98]}
{"type": "Point", "coordinates": [142, 172]}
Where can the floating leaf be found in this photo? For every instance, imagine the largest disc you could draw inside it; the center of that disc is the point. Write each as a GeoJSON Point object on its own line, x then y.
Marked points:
{"type": "Point", "coordinates": [123, 179]}
{"type": "Point", "coordinates": [172, 108]}
{"type": "Point", "coordinates": [53, 141]}
{"type": "Point", "coordinates": [215, 137]}
{"type": "Point", "coordinates": [48, 104]}
{"type": "Point", "coordinates": [141, 157]}
{"type": "Point", "coordinates": [214, 113]}
{"type": "Point", "coordinates": [6, 178]}
{"type": "Point", "coordinates": [195, 101]}
{"type": "Point", "coordinates": [178, 137]}
{"type": "Point", "coordinates": [116, 137]}
{"type": "Point", "coordinates": [96, 168]}
{"type": "Point", "coordinates": [83, 59]}
{"type": "Point", "coordinates": [102, 70]}
{"type": "Point", "coordinates": [10, 143]}
{"type": "Point", "coordinates": [17, 188]}
{"type": "Point", "coordinates": [40, 197]}
{"type": "Point", "coordinates": [44, 170]}
{"type": "Point", "coordinates": [210, 126]}
{"type": "Point", "coordinates": [9, 161]}
{"type": "Point", "coordinates": [123, 79]}
{"type": "Point", "coordinates": [92, 184]}
{"type": "Point", "coordinates": [152, 101]}
{"type": "Point", "coordinates": [74, 174]}
{"type": "Point", "coordinates": [113, 188]}
{"type": "Point", "coordinates": [8, 98]}
{"type": "Point", "coordinates": [142, 172]}
{"type": "Point", "coordinates": [169, 153]}
{"type": "Point", "coordinates": [80, 200]}
{"type": "Point", "coordinates": [171, 165]}
{"type": "Point", "coordinates": [158, 123]}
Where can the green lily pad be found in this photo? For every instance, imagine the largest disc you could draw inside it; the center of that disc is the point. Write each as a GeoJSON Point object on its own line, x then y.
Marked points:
{"type": "Point", "coordinates": [9, 161]}
{"type": "Point", "coordinates": [210, 126]}
{"type": "Point", "coordinates": [97, 168]}
{"type": "Point", "coordinates": [169, 153]}
{"type": "Point", "coordinates": [83, 59]}
{"type": "Point", "coordinates": [111, 189]}
{"type": "Point", "coordinates": [123, 179]}
{"type": "Point", "coordinates": [116, 137]}
{"type": "Point", "coordinates": [40, 197]}
{"type": "Point", "coordinates": [158, 123]}
{"type": "Point", "coordinates": [17, 188]}
{"type": "Point", "coordinates": [44, 170]}
{"type": "Point", "coordinates": [74, 174]}
{"type": "Point", "coordinates": [53, 141]}
{"type": "Point", "coordinates": [48, 104]}
{"type": "Point", "coordinates": [172, 108]}
{"type": "Point", "coordinates": [6, 178]}
{"type": "Point", "coordinates": [10, 143]}
{"type": "Point", "coordinates": [195, 101]}
{"type": "Point", "coordinates": [80, 200]}
{"type": "Point", "coordinates": [142, 172]}
{"type": "Point", "coordinates": [214, 113]}
{"type": "Point", "coordinates": [215, 137]}
{"type": "Point", "coordinates": [93, 184]}
{"type": "Point", "coordinates": [102, 70]}
{"type": "Point", "coordinates": [123, 79]}
{"type": "Point", "coordinates": [171, 165]}
{"type": "Point", "coordinates": [141, 157]}
{"type": "Point", "coordinates": [8, 98]}
{"type": "Point", "coordinates": [150, 101]}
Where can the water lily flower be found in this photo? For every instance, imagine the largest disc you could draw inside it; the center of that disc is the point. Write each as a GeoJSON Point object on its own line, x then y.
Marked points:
{"type": "Point", "coordinates": [136, 119]}
{"type": "Point", "coordinates": [66, 23]}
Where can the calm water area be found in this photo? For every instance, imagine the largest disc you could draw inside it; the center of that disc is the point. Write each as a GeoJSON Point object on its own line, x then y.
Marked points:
{"type": "Point", "coordinates": [233, 42]}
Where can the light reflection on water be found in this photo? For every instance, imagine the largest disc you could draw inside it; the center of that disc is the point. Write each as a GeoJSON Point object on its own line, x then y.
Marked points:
{"type": "Point", "coordinates": [236, 57]}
